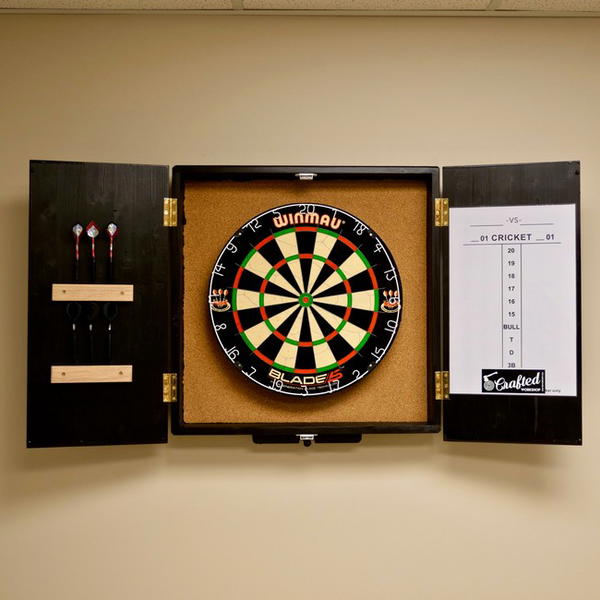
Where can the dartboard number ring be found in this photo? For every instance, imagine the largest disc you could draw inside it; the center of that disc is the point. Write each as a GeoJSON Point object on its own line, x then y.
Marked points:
{"type": "Point", "coordinates": [305, 299]}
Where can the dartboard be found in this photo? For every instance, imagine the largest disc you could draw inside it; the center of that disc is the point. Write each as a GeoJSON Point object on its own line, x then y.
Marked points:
{"type": "Point", "coordinates": [305, 299]}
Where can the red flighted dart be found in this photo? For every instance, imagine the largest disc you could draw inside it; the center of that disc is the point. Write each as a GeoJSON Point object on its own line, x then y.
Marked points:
{"type": "Point", "coordinates": [92, 231]}
{"type": "Point", "coordinates": [77, 231]}
{"type": "Point", "coordinates": [111, 231]}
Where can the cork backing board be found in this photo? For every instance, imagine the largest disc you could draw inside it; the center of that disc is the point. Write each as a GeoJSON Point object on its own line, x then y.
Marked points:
{"type": "Point", "coordinates": [214, 391]}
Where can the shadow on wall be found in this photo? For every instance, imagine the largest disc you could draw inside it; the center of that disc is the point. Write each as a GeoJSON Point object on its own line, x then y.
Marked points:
{"type": "Point", "coordinates": [31, 476]}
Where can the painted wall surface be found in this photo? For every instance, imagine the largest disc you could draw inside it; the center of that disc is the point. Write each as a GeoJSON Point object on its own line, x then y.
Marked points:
{"type": "Point", "coordinates": [219, 518]}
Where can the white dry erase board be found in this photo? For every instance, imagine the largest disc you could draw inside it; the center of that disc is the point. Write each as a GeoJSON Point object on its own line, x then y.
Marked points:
{"type": "Point", "coordinates": [516, 264]}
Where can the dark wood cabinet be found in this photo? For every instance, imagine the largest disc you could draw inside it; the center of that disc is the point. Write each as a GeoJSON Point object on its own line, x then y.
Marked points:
{"type": "Point", "coordinates": [164, 353]}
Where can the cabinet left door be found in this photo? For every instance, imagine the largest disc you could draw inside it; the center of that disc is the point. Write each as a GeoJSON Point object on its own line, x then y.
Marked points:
{"type": "Point", "coordinates": [98, 324]}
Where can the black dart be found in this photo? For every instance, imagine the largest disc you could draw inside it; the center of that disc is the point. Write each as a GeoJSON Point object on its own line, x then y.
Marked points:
{"type": "Point", "coordinates": [111, 310]}
{"type": "Point", "coordinates": [92, 311]}
{"type": "Point", "coordinates": [73, 310]}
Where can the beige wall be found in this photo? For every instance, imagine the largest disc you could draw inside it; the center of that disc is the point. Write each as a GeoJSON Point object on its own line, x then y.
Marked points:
{"type": "Point", "coordinates": [394, 517]}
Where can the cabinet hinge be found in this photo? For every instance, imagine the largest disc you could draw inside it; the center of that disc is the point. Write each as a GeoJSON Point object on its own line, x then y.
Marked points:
{"type": "Point", "coordinates": [442, 212]}
{"type": "Point", "coordinates": [169, 387]}
{"type": "Point", "coordinates": [170, 212]}
{"type": "Point", "coordinates": [442, 385]}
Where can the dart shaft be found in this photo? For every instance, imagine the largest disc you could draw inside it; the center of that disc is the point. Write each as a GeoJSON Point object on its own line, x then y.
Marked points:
{"type": "Point", "coordinates": [74, 344]}
{"type": "Point", "coordinates": [76, 265]}
{"type": "Point", "coordinates": [91, 344]}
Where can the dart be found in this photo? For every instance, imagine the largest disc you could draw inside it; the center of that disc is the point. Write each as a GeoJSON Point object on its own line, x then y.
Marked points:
{"type": "Point", "coordinates": [73, 310]}
{"type": "Point", "coordinates": [91, 314]}
{"type": "Point", "coordinates": [111, 310]}
{"type": "Point", "coordinates": [77, 231]}
{"type": "Point", "coordinates": [92, 231]}
{"type": "Point", "coordinates": [111, 230]}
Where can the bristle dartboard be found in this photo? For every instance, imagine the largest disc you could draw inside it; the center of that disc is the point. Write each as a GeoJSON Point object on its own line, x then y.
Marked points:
{"type": "Point", "coordinates": [305, 299]}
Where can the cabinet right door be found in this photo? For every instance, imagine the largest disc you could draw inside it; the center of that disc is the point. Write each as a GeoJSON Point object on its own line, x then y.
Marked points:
{"type": "Point", "coordinates": [513, 303]}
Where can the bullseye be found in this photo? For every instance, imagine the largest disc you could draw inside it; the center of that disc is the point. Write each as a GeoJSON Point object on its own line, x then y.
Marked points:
{"type": "Point", "coordinates": [305, 300]}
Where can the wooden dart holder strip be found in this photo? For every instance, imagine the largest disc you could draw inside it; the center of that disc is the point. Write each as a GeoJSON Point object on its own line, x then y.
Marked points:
{"type": "Point", "coordinates": [81, 292]}
{"type": "Point", "coordinates": [91, 373]}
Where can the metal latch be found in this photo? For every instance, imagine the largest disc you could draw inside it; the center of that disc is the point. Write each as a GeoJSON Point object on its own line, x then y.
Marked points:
{"type": "Point", "coordinates": [442, 385]}
{"type": "Point", "coordinates": [307, 438]}
{"type": "Point", "coordinates": [170, 212]}
{"type": "Point", "coordinates": [442, 212]}
{"type": "Point", "coordinates": [169, 387]}
{"type": "Point", "coordinates": [306, 176]}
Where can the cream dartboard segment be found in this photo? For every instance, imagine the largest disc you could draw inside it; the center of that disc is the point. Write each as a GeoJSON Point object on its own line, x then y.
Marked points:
{"type": "Point", "coordinates": [305, 299]}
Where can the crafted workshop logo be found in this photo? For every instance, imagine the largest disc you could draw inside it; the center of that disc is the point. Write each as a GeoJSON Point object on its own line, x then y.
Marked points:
{"type": "Point", "coordinates": [513, 381]}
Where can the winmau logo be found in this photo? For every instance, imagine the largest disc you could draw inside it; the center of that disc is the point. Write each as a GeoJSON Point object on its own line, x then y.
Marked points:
{"type": "Point", "coordinates": [307, 219]}
{"type": "Point", "coordinates": [513, 381]}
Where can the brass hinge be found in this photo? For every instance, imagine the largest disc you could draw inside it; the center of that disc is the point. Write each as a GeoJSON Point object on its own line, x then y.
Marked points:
{"type": "Point", "coordinates": [169, 387]}
{"type": "Point", "coordinates": [442, 385]}
{"type": "Point", "coordinates": [442, 212]}
{"type": "Point", "coordinates": [170, 212]}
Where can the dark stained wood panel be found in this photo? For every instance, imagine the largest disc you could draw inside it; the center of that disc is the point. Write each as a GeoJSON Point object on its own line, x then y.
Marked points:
{"type": "Point", "coordinates": [62, 193]}
{"type": "Point", "coordinates": [508, 418]}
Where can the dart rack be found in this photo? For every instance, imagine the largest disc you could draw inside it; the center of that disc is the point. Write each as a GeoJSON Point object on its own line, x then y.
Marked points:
{"type": "Point", "coordinates": [169, 239]}
{"type": "Point", "coordinates": [91, 292]}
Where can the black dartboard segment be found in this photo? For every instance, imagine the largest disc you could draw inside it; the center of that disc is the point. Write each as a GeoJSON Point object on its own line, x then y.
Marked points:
{"type": "Point", "coordinates": [305, 299]}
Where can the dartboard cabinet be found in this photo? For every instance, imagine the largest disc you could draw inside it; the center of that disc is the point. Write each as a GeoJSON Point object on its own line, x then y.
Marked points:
{"type": "Point", "coordinates": [303, 303]}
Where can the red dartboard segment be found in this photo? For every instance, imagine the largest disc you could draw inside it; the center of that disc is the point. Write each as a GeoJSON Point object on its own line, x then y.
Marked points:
{"type": "Point", "coordinates": [348, 243]}
{"type": "Point", "coordinates": [373, 278]}
{"type": "Point", "coordinates": [372, 324]}
{"type": "Point", "coordinates": [280, 264]}
{"type": "Point", "coordinates": [238, 323]}
{"type": "Point", "coordinates": [279, 336]}
{"type": "Point", "coordinates": [263, 357]}
{"type": "Point", "coordinates": [238, 276]}
{"type": "Point", "coordinates": [263, 242]}
{"type": "Point", "coordinates": [303, 318]}
{"type": "Point", "coordinates": [347, 357]}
